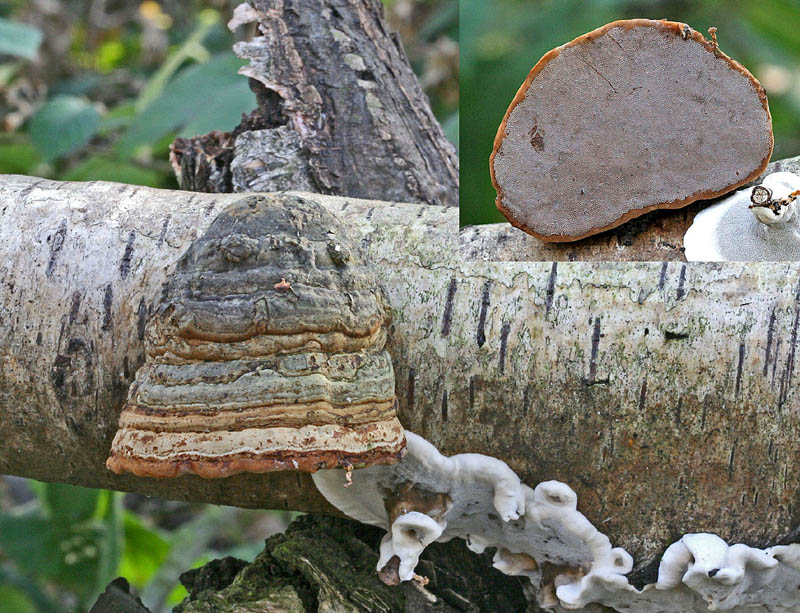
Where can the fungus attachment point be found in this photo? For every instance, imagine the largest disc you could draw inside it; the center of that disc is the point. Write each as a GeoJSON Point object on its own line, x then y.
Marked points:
{"type": "Point", "coordinates": [244, 374]}
{"type": "Point", "coordinates": [713, 32]}
{"type": "Point", "coordinates": [635, 116]}
{"type": "Point", "coordinates": [754, 224]}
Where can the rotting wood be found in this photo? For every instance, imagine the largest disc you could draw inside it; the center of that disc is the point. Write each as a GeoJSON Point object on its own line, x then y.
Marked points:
{"type": "Point", "coordinates": [664, 393]}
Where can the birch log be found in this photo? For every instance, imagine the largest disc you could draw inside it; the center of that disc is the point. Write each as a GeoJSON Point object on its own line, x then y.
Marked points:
{"type": "Point", "coordinates": [665, 394]}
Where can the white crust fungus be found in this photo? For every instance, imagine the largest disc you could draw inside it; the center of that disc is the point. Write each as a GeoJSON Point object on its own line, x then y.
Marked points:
{"type": "Point", "coordinates": [539, 533]}
{"type": "Point", "coordinates": [733, 230]}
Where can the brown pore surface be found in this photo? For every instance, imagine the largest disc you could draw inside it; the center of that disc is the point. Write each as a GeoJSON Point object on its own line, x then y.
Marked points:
{"type": "Point", "coordinates": [634, 116]}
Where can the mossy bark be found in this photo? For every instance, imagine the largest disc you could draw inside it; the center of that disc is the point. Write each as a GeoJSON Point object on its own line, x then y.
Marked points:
{"type": "Point", "coordinates": [327, 564]}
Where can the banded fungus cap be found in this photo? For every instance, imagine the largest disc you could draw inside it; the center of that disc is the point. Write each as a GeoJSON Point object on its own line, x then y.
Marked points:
{"type": "Point", "coordinates": [266, 351]}
{"type": "Point", "coordinates": [635, 116]}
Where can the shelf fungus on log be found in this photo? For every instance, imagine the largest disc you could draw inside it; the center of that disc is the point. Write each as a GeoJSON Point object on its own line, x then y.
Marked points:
{"type": "Point", "coordinates": [758, 223]}
{"type": "Point", "coordinates": [635, 116]}
{"type": "Point", "coordinates": [265, 352]}
{"type": "Point", "coordinates": [540, 534]}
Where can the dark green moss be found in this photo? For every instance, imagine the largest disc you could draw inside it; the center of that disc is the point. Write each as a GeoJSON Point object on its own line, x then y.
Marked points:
{"type": "Point", "coordinates": [328, 563]}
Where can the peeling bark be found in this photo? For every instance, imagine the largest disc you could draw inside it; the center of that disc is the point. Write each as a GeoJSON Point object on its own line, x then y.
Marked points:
{"type": "Point", "coordinates": [339, 112]}
{"type": "Point", "coordinates": [665, 394]}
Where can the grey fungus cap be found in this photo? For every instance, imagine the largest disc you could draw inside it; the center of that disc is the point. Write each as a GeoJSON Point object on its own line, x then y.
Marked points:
{"type": "Point", "coordinates": [265, 352]}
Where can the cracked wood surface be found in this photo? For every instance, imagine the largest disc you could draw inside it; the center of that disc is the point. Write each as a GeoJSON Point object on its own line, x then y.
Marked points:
{"type": "Point", "coordinates": [340, 111]}
{"type": "Point", "coordinates": [665, 393]}
{"type": "Point", "coordinates": [655, 236]}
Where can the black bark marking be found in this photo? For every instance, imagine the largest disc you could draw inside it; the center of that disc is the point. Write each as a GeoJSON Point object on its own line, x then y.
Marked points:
{"type": "Point", "coordinates": [595, 346]}
{"type": "Point", "coordinates": [503, 342]}
{"type": "Point", "coordinates": [472, 392]}
{"type": "Point", "coordinates": [56, 243]}
{"type": "Point", "coordinates": [551, 288]}
{"type": "Point", "coordinates": [72, 374]}
{"type": "Point", "coordinates": [680, 292]}
{"type": "Point", "coordinates": [775, 361]}
{"type": "Point", "coordinates": [108, 299]}
{"type": "Point", "coordinates": [703, 415]}
{"type": "Point", "coordinates": [141, 319]}
{"type": "Point", "coordinates": [370, 212]}
{"type": "Point", "coordinates": [125, 264]}
{"type": "Point", "coordinates": [482, 316]}
{"type": "Point", "coordinates": [663, 278]}
{"type": "Point", "coordinates": [733, 456]}
{"type": "Point", "coordinates": [739, 371]}
{"type": "Point", "coordinates": [444, 405]}
{"type": "Point", "coordinates": [678, 413]}
{"type": "Point", "coordinates": [448, 307]}
{"type": "Point", "coordinates": [786, 380]}
{"type": "Point", "coordinates": [643, 395]}
{"type": "Point", "coordinates": [410, 389]}
{"type": "Point", "coordinates": [526, 399]}
{"type": "Point", "coordinates": [164, 230]}
{"type": "Point", "coordinates": [39, 338]}
{"type": "Point", "coordinates": [74, 307]}
{"type": "Point", "coordinates": [770, 332]}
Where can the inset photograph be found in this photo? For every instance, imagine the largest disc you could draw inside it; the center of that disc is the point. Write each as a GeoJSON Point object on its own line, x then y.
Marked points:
{"type": "Point", "coordinates": [629, 131]}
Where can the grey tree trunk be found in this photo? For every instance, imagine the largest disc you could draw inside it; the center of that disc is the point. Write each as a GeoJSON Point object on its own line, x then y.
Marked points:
{"type": "Point", "coordinates": [339, 112]}
{"type": "Point", "coordinates": [665, 394]}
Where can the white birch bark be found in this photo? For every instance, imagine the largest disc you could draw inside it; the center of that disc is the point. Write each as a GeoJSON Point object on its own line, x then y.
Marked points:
{"type": "Point", "coordinates": [663, 393]}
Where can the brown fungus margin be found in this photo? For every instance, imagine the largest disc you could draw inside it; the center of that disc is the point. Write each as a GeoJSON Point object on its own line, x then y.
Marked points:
{"type": "Point", "coordinates": [675, 28]}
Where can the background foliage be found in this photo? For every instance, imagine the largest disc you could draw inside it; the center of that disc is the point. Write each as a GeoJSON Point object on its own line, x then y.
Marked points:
{"type": "Point", "coordinates": [503, 39]}
{"type": "Point", "coordinates": [97, 90]}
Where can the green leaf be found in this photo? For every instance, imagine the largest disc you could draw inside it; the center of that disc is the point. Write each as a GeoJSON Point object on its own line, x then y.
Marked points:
{"type": "Point", "coordinates": [62, 125]}
{"type": "Point", "coordinates": [112, 543]}
{"type": "Point", "coordinates": [222, 111]}
{"type": "Point", "coordinates": [28, 541]}
{"type": "Point", "coordinates": [450, 127]}
{"type": "Point", "coordinates": [19, 39]}
{"type": "Point", "coordinates": [101, 168]}
{"type": "Point", "coordinates": [204, 97]}
{"type": "Point", "coordinates": [70, 504]}
{"type": "Point", "coordinates": [190, 49]}
{"type": "Point", "coordinates": [17, 158]}
{"type": "Point", "coordinates": [42, 602]}
{"type": "Point", "coordinates": [145, 551]}
{"type": "Point", "coordinates": [15, 601]}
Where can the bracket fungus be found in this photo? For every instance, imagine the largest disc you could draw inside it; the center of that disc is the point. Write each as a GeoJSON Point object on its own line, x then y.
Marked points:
{"type": "Point", "coordinates": [635, 116]}
{"type": "Point", "coordinates": [265, 351]}
{"type": "Point", "coordinates": [540, 534]}
{"type": "Point", "coordinates": [757, 223]}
